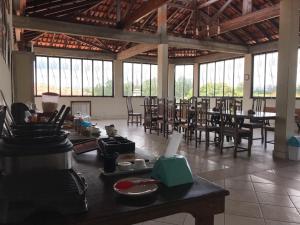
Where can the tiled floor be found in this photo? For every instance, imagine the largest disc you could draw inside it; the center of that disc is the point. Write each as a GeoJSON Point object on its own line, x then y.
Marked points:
{"type": "Point", "coordinates": [263, 191]}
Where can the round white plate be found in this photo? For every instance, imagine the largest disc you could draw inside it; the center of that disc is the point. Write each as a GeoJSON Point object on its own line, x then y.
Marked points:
{"type": "Point", "coordinates": [137, 190]}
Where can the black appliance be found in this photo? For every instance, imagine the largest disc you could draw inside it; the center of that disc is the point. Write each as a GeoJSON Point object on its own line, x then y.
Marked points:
{"type": "Point", "coordinates": [59, 191]}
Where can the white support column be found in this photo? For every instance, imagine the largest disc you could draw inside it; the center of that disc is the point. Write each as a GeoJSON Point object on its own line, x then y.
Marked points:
{"type": "Point", "coordinates": [118, 81]}
{"type": "Point", "coordinates": [196, 79]}
{"type": "Point", "coordinates": [247, 102]}
{"type": "Point", "coordinates": [171, 81]}
{"type": "Point", "coordinates": [163, 55]}
{"type": "Point", "coordinates": [287, 75]}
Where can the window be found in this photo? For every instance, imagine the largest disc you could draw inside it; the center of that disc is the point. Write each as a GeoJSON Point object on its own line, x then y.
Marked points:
{"type": "Point", "coordinates": [139, 79]}
{"type": "Point", "coordinates": [265, 75]}
{"type": "Point", "coordinates": [73, 77]}
{"type": "Point", "coordinates": [222, 78]}
{"type": "Point", "coordinates": [184, 80]}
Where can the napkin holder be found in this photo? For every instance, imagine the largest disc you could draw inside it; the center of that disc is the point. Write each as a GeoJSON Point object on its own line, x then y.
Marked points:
{"type": "Point", "coordinates": [172, 171]}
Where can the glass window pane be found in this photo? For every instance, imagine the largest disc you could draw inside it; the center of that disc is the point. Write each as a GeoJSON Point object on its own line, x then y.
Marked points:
{"type": "Point", "coordinates": [259, 75]}
{"type": "Point", "coordinates": [108, 78]}
{"type": "Point", "coordinates": [239, 77]}
{"type": "Point", "coordinates": [298, 76]}
{"type": "Point", "coordinates": [154, 80]}
{"type": "Point", "coordinates": [34, 78]}
{"type": "Point", "coordinates": [211, 79]}
{"type": "Point", "coordinates": [146, 79]}
{"type": "Point", "coordinates": [219, 78]}
{"type": "Point", "coordinates": [228, 78]}
{"type": "Point", "coordinates": [137, 79]}
{"type": "Point", "coordinates": [87, 68]}
{"type": "Point", "coordinates": [127, 79]}
{"type": "Point", "coordinates": [98, 78]}
{"type": "Point", "coordinates": [271, 74]}
{"type": "Point", "coordinates": [53, 74]}
{"type": "Point", "coordinates": [179, 82]}
{"type": "Point", "coordinates": [202, 79]}
{"type": "Point", "coordinates": [41, 74]}
{"type": "Point", "coordinates": [76, 77]}
{"type": "Point", "coordinates": [188, 81]}
{"type": "Point", "coordinates": [65, 77]}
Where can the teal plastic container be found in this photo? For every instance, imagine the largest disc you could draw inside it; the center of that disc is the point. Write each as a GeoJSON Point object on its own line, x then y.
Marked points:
{"type": "Point", "coordinates": [172, 171]}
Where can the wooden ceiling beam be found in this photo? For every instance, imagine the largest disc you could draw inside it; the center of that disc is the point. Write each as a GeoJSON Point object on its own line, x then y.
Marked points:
{"type": "Point", "coordinates": [53, 26]}
{"type": "Point", "coordinates": [142, 11]}
{"type": "Point", "coordinates": [75, 29]}
{"type": "Point", "coordinates": [214, 46]}
{"type": "Point", "coordinates": [135, 50]}
{"type": "Point", "coordinates": [245, 20]}
{"type": "Point", "coordinates": [208, 3]}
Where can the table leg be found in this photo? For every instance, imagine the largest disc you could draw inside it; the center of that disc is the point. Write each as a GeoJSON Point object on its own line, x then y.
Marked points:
{"type": "Point", "coordinates": [204, 220]}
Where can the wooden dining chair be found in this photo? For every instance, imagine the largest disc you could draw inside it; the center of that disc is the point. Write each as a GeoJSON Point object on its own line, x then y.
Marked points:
{"type": "Point", "coordinates": [234, 131]}
{"type": "Point", "coordinates": [170, 123]}
{"type": "Point", "coordinates": [132, 117]}
{"type": "Point", "coordinates": [161, 116]}
{"type": "Point", "coordinates": [183, 119]}
{"type": "Point", "coordinates": [258, 105]}
{"type": "Point", "coordinates": [150, 114]}
{"type": "Point", "coordinates": [204, 124]}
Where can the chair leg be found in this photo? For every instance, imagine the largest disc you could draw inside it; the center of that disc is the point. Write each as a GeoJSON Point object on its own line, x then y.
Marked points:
{"type": "Point", "coordinates": [235, 146]}
{"type": "Point", "coordinates": [221, 143]}
{"type": "Point", "coordinates": [128, 120]}
{"type": "Point", "coordinates": [266, 138]}
{"type": "Point", "coordinates": [262, 135]}
{"type": "Point", "coordinates": [206, 139]}
{"type": "Point", "coordinates": [249, 145]}
{"type": "Point", "coordinates": [196, 138]}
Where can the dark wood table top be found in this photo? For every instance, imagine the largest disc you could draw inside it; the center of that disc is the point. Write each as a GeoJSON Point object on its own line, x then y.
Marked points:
{"type": "Point", "coordinates": [106, 207]}
{"type": "Point", "coordinates": [246, 115]}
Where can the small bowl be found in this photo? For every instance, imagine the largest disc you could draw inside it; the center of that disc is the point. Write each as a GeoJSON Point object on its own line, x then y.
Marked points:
{"type": "Point", "coordinates": [124, 166]}
{"type": "Point", "coordinates": [139, 164]}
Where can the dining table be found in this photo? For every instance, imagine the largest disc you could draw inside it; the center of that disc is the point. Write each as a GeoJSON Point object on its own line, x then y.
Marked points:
{"type": "Point", "coordinates": [202, 199]}
{"type": "Point", "coordinates": [260, 115]}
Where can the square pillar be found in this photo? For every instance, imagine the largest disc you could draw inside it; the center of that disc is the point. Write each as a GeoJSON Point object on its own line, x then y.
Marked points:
{"type": "Point", "coordinates": [171, 81]}
{"type": "Point", "coordinates": [247, 101]}
{"type": "Point", "coordinates": [196, 79]}
{"type": "Point", "coordinates": [162, 53]}
{"type": "Point", "coordinates": [287, 75]}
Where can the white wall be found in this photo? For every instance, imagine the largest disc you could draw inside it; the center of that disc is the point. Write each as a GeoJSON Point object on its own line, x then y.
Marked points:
{"type": "Point", "coordinates": [5, 73]}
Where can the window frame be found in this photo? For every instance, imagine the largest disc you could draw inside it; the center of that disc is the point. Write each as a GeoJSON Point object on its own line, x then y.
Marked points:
{"type": "Point", "coordinates": [132, 72]}
{"type": "Point", "coordinates": [252, 75]}
{"type": "Point", "coordinates": [174, 86]}
{"type": "Point", "coordinates": [215, 62]}
{"type": "Point", "coordinates": [81, 59]}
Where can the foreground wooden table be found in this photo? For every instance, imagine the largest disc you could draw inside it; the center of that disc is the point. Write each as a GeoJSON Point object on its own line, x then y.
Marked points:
{"type": "Point", "coordinates": [202, 199]}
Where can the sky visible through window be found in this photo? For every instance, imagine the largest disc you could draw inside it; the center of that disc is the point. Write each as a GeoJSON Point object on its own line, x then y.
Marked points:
{"type": "Point", "coordinates": [73, 77]}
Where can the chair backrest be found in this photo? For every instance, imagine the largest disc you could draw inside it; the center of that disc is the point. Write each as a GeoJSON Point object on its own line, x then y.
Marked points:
{"type": "Point", "coordinates": [170, 114]}
{"type": "Point", "coordinates": [129, 104]}
{"type": "Point", "coordinates": [202, 116]}
{"type": "Point", "coordinates": [161, 108]}
{"type": "Point", "coordinates": [183, 110]}
{"type": "Point", "coordinates": [193, 102]}
{"type": "Point", "coordinates": [229, 118]}
{"type": "Point", "coordinates": [207, 100]}
{"type": "Point", "coordinates": [259, 104]}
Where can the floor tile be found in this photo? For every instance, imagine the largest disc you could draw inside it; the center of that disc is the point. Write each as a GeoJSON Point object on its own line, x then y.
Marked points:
{"type": "Point", "coordinates": [296, 201]}
{"type": "Point", "coordinates": [271, 222]}
{"type": "Point", "coordinates": [151, 222]}
{"type": "Point", "coordinates": [242, 209]}
{"type": "Point", "coordinates": [241, 220]}
{"type": "Point", "coordinates": [176, 219]}
{"type": "Point", "coordinates": [238, 185]}
{"type": "Point", "coordinates": [278, 213]}
{"type": "Point", "coordinates": [269, 188]}
{"type": "Point", "coordinates": [274, 199]}
{"type": "Point", "coordinates": [257, 179]}
{"type": "Point", "coordinates": [242, 195]}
